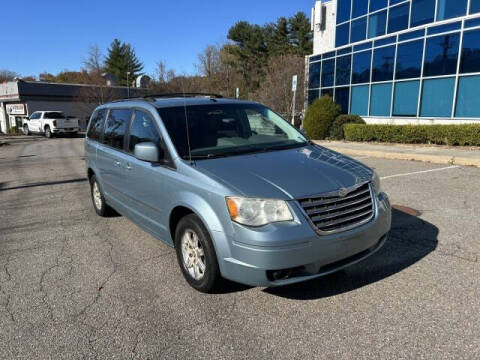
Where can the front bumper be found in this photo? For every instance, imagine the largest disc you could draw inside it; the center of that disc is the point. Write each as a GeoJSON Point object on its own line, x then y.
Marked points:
{"type": "Point", "coordinates": [254, 254]}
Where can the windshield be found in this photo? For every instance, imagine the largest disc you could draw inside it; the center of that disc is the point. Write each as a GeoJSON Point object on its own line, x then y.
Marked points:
{"type": "Point", "coordinates": [229, 129]}
{"type": "Point", "coordinates": [54, 115]}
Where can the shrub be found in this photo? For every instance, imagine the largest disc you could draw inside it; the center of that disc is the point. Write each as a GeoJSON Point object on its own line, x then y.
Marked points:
{"type": "Point", "coordinates": [12, 131]}
{"type": "Point", "coordinates": [463, 135]}
{"type": "Point", "coordinates": [336, 130]}
{"type": "Point", "coordinates": [320, 116]}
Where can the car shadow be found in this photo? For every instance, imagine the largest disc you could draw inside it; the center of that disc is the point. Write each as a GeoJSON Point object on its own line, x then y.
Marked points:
{"type": "Point", "coordinates": [410, 240]}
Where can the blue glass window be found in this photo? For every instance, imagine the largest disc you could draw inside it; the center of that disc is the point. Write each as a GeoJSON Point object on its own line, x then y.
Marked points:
{"type": "Point", "coordinates": [344, 51]}
{"type": "Point", "coordinates": [342, 96]}
{"type": "Point", "coordinates": [398, 18]}
{"type": "Point", "coordinates": [377, 24]}
{"type": "Point", "coordinates": [363, 46]}
{"type": "Point", "coordinates": [470, 59]}
{"type": "Point", "coordinates": [386, 41]}
{"type": "Point", "coordinates": [472, 22]}
{"type": "Point", "coordinates": [444, 28]}
{"type": "Point", "coordinates": [441, 55]}
{"type": "Point", "coordinates": [474, 6]}
{"type": "Point", "coordinates": [359, 29]}
{"type": "Point", "coordinates": [381, 100]}
{"type": "Point", "coordinates": [343, 10]}
{"type": "Point", "coordinates": [448, 9]}
{"type": "Point", "coordinates": [409, 59]}
{"type": "Point", "coordinates": [377, 4]}
{"type": "Point", "coordinates": [328, 70]}
{"type": "Point", "coordinates": [393, 2]}
{"type": "Point", "coordinates": [383, 60]}
{"type": "Point", "coordinates": [423, 12]}
{"type": "Point", "coordinates": [361, 67]}
{"type": "Point", "coordinates": [342, 35]}
{"type": "Point", "coordinates": [312, 96]}
{"type": "Point", "coordinates": [359, 105]}
{"type": "Point", "coordinates": [411, 35]}
{"type": "Point", "coordinates": [360, 7]}
{"type": "Point", "coordinates": [344, 67]}
{"type": "Point", "coordinates": [467, 97]}
{"type": "Point", "coordinates": [314, 75]}
{"type": "Point", "coordinates": [327, 92]}
{"type": "Point", "coordinates": [405, 101]}
{"type": "Point", "coordinates": [437, 97]}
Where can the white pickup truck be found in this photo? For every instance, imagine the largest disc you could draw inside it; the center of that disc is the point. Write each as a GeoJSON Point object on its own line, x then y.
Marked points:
{"type": "Point", "coordinates": [50, 123]}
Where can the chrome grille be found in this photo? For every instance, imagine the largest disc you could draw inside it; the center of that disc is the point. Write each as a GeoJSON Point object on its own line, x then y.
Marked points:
{"type": "Point", "coordinates": [332, 213]}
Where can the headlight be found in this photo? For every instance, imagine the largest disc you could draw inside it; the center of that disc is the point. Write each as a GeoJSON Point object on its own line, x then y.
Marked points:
{"type": "Point", "coordinates": [257, 212]}
{"type": "Point", "coordinates": [376, 183]}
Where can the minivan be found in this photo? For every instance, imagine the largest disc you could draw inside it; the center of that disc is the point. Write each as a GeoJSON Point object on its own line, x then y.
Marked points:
{"type": "Point", "coordinates": [237, 191]}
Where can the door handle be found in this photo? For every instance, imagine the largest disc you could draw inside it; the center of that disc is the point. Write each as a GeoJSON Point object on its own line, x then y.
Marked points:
{"type": "Point", "coordinates": [117, 163]}
{"type": "Point", "coordinates": [128, 167]}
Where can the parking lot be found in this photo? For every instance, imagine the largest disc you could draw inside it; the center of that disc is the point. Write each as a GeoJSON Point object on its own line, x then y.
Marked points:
{"type": "Point", "coordinates": [74, 285]}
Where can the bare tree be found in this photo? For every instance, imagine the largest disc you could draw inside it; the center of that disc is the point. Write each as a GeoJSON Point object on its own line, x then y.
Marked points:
{"type": "Point", "coordinates": [209, 61]}
{"type": "Point", "coordinates": [7, 75]}
{"type": "Point", "coordinates": [94, 62]}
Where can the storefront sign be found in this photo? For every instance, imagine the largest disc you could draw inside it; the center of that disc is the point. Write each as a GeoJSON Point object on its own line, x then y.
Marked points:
{"type": "Point", "coordinates": [15, 109]}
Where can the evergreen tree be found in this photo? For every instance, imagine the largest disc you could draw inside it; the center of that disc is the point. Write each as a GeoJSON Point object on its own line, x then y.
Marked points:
{"type": "Point", "coordinates": [122, 59]}
{"type": "Point", "coordinates": [280, 44]}
{"type": "Point", "coordinates": [300, 34]}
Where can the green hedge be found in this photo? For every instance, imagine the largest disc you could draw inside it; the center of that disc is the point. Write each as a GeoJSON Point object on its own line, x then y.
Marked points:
{"type": "Point", "coordinates": [463, 135]}
{"type": "Point", "coordinates": [336, 129]}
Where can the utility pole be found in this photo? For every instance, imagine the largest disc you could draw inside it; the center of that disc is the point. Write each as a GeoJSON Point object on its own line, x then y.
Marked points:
{"type": "Point", "coordinates": [128, 84]}
{"type": "Point", "coordinates": [294, 89]}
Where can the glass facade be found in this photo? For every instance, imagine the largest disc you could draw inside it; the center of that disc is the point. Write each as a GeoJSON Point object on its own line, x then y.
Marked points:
{"type": "Point", "coordinates": [402, 58]}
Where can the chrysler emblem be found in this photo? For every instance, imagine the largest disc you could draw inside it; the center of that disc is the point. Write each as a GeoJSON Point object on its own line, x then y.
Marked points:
{"type": "Point", "coordinates": [342, 192]}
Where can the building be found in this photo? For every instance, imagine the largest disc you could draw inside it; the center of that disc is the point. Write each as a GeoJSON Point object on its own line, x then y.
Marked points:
{"type": "Point", "coordinates": [398, 61]}
{"type": "Point", "coordinates": [19, 99]}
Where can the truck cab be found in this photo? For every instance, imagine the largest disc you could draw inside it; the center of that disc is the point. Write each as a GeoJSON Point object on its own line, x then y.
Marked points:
{"type": "Point", "coordinates": [50, 123]}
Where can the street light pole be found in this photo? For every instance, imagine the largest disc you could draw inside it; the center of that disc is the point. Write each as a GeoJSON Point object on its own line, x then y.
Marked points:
{"type": "Point", "coordinates": [128, 85]}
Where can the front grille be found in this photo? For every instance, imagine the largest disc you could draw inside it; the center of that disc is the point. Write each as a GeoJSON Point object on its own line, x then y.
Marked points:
{"type": "Point", "coordinates": [332, 213]}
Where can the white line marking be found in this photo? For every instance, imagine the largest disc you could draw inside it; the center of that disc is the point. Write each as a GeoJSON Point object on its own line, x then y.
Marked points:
{"type": "Point", "coordinates": [419, 172]}
{"type": "Point", "coordinates": [361, 157]}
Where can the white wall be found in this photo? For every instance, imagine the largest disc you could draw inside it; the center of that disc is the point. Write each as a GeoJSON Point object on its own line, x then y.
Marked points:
{"type": "Point", "coordinates": [324, 40]}
{"type": "Point", "coordinates": [3, 119]}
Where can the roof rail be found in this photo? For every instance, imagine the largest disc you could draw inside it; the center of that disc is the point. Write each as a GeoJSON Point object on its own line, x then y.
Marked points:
{"type": "Point", "coordinates": [189, 95]}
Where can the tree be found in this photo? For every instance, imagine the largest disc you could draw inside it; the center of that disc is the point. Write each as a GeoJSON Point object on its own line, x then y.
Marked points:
{"type": "Point", "coordinates": [94, 62]}
{"type": "Point", "coordinates": [121, 59]}
{"type": "Point", "coordinates": [300, 34]}
{"type": "Point", "coordinates": [7, 75]}
{"type": "Point", "coordinates": [279, 43]}
{"type": "Point", "coordinates": [209, 61]}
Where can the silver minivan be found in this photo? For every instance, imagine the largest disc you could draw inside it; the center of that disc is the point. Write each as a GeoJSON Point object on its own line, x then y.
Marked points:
{"type": "Point", "coordinates": [234, 188]}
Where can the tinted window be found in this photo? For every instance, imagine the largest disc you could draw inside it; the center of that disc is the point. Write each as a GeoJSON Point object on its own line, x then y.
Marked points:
{"type": "Point", "coordinates": [467, 97]}
{"type": "Point", "coordinates": [312, 96]}
{"type": "Point", "coordinates": [377, 4]}
{"type": "Point", "coordinates": [381, 100]}
{"type": "Point", "coordinates": [409, 59]}
{"type": "Point", "coordinates": [328, 72]}
{"type": "Point", "coordinates": [359, 30]}
{"type": "Point", "coordinates": [344, 67]}
{"type": "Point", "coordinates": [437, 97]}
{"type": "Point", "coordinates": [359, 8]}
{"type": "Point", "coordinates": [314, 75]}
{"type": "Point", "coordinates": [441, 55]}
{"type": "Point", "coordinates": [376, 24]}
{"type": "Point", "coordinates": [405, 101]}
{"type": "Point", "coordinates": [327, 92]}
{"type": "Point", "coordinates": [398, 18]}
{"type": "Point", "coordinates": [470, 60]}
{"type": "Point", "coordinates": [448, 9]}
{"type": "Point", "coordinates": [342, 96]}
{"type": "Point", "coordinates": [343, 10]}
{"type": "Point", "coordinates": [361, 67]}
{"type": "Point", "coordinates": [343, 34]}
{"type": "Point", "coordinates": [143, 130]}
{"type": "Point", "coordinates": [383, 60]}
{"type": "Point", "coordinates": [474, 6]}
{"type": "Point", "coordinates": [35, 116]}
{"type": "Point", "coordinates": [115, 127]}
{"type": "Point", "coordinates": [96, 124]}
{"type": "Point", "coordinates": [423, 12]}
{"type": "Point", "coordinates": [359, 105]}
{"type": "Point", "coordinates": [54, 115]}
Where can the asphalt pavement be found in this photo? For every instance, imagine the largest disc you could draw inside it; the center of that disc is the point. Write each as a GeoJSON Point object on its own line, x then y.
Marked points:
{"type": "Point", "coordinates": [74, 285]}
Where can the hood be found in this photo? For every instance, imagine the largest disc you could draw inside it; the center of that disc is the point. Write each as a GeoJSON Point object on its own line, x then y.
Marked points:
{"type": "Point", "coordinates": [286, 174]}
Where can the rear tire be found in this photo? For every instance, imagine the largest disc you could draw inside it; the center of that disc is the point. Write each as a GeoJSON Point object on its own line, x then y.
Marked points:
{"type": "Point", "coordinates": [196, 255]}
{"type": "Point", "coordinates": [26, 131]}
{"type": "Point", "coordinates": [48, 132]}
{"type": "Point", "coordinates": [99, 203]}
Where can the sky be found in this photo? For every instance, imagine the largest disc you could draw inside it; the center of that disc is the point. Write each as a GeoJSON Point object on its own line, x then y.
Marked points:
{"type": "Point", "coordinates": [55, 35]}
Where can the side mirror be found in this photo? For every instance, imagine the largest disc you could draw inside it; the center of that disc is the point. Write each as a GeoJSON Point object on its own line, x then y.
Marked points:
{"type": "Point", "coordinates": [148, 151]}
{"type": "Point", "coordinates": [27, 118]}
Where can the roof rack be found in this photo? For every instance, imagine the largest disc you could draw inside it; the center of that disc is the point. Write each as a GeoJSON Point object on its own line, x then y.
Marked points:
{"type": "Point", "coordinates": [184, 95]}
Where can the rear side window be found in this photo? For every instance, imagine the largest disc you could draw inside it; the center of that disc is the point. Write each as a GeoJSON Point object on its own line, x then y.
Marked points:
{"type": "Point", "coordinates": [143, 130]}
{"type": "Point", "coordinates": [115, 127]}
{"type": "Point", "coordinates": [96, 124]}
{"type": "Point", "coordinates": [54, 115]}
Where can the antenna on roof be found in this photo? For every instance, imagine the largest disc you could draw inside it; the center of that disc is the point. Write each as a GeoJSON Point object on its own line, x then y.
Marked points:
{"type": "Point", "coordinates": [186, 124]}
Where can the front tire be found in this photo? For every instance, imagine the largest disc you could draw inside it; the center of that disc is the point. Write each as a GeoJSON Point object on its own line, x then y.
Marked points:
{"type": "Point", "coordinates": [48, 132]}
{"type": "Point", "coordinates": [26, 131]}
{"type": "Point", "coordinates": [196, 254]}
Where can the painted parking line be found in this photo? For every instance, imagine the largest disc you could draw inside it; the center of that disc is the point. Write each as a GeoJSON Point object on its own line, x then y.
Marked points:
{"type": "Point", "coordinates": [419, 172]}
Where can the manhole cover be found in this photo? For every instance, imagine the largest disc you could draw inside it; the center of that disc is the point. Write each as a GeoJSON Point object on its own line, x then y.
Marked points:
{"type": "Point", "coordinates": [407, 210]}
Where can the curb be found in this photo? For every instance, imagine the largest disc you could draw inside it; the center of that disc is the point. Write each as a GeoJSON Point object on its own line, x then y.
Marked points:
{"type": "Point", "coordinates": [436, 159]}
